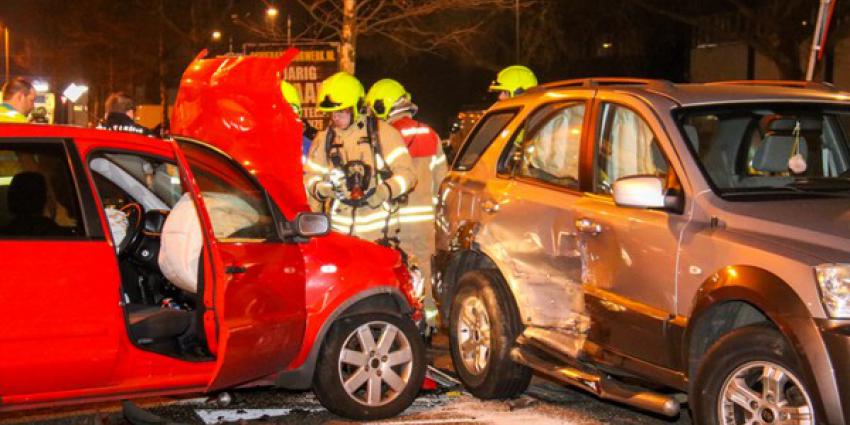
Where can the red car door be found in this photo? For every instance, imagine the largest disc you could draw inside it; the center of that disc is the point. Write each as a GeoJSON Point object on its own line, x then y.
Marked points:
{"type": "Point", "coordinates": [258, 279]}
{"type": "Point", "coordinates": [61, 319]}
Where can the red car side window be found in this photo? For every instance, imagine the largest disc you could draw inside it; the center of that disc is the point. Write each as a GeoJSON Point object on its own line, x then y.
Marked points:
{"type": "Point", "coordinates": [237, 206]}
{"type": "Point", "coordinates": [38, 199]}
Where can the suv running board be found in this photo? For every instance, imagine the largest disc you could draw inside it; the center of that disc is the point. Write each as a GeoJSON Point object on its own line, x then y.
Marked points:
{"type": "Point", "coordinates": [602, 386]}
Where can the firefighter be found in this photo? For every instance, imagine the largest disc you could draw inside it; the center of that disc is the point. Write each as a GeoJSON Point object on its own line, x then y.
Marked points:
{"type": "Point", "coordinates": [18, 100]}
{"type": "Point", "coordinates": [290, 94]}
{"type": "Point", "coordinates": [358, 169]}
{"type": "Point", "coordinates": [388, 100]}
{"type": "Point", "coordinates": [513, 81]}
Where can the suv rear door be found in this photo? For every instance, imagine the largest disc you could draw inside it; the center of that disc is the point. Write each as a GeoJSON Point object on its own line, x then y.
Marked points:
{"type": "Point", "coordinates": [258, 279]}
{"type": "Point", "coordinates": [631, 253]}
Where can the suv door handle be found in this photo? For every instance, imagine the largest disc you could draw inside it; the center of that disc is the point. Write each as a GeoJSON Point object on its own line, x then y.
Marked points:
{"type": "Point", "coordinates": [490, 206]}
{"type": "Point", "coordinates": [235, 269]}
{"type": "Point", "coordinates": [586, 225]}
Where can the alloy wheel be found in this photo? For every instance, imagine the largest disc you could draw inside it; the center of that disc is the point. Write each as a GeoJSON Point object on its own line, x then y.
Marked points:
{"type": "Point", "coordinates": [376, 363]}
{"type": "Point", "coordinates": [764, 393]}
{"type": "Point", "coordinates": [473, 334]}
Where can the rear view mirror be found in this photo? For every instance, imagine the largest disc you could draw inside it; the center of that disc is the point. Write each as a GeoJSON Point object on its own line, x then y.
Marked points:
{"type": "Point", "coordinates": [640, 192]}
{"type": "Point", "coordinates": [307, 225]}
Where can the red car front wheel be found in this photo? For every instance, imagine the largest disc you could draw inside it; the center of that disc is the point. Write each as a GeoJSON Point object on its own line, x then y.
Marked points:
{"type": "Point", "coordinates": [371, 366]}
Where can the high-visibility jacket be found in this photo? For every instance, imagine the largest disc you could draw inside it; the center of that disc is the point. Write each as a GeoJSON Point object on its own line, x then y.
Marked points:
{"type": "Point", "coordinates": [429, 163]}
{"type": "Point", "coordinates": [10, 114]}
{"type": "Point", "coordinates": [354, 144]}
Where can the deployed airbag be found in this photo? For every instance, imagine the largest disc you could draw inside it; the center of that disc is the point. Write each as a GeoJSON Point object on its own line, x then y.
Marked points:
{"type": "Point", "coordinates": [181, 240]}
{"type": "Point", "coordinates": [180, 245]}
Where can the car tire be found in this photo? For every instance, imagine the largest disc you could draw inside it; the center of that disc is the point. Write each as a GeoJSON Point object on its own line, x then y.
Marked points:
{"type": "Point", "coordinates": [729, 385]}
{"type": "Point", "coordinates": [483, 325]}
{"type": "Point", "coordinates": [368, 379]}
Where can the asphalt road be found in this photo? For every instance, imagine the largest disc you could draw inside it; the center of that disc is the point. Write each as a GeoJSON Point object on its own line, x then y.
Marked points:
{"type": "Point", "coordinates": [544, 403]}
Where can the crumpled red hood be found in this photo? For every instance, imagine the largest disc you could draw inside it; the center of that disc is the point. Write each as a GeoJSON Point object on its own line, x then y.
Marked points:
{"type": "Point", "coordinates": [235, 104]}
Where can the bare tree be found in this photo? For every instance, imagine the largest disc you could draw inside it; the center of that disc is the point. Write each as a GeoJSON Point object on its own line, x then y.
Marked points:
{"type": "Point", "coordinates": [409, 25]}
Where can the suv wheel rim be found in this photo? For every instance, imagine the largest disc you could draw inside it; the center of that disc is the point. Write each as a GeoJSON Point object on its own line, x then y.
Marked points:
{"type": "Point", "coordinates": [473, 334]}
{"type": "Point", "coordinates": [376, 363]}
{"type": "Point", "coordinates": [764, 393]}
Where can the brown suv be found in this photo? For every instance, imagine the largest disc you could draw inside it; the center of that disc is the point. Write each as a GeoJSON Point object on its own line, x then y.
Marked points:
{"type": "Point", "coordinates": [656, 244]}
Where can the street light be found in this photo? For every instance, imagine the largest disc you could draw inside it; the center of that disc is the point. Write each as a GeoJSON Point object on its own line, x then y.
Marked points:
{"type": "Point", "coordinates": [216, 35]}
{"type": "Point", "coordinates": [272, 12]}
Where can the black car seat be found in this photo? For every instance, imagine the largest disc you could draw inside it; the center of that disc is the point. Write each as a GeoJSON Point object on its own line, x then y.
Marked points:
{"type": "Point", "coordinates": [153, 324]}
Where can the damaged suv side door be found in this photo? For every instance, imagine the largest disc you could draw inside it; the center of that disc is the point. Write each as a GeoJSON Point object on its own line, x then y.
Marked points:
{"type": "Point", "coordinates": [531, 229]}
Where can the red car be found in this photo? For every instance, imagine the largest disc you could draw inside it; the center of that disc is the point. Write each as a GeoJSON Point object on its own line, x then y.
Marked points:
{"type": "Point", "coordinates": [89, 224]}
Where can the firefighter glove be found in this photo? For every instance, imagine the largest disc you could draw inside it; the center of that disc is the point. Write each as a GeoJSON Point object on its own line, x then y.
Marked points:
{"type": "Point", "coordinates": [323, 189]}
{"type": "Point", "coordinates": [381, 195]}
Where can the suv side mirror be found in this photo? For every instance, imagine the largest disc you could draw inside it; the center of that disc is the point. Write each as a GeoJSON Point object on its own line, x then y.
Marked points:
{"type": "Point", "coordinates": [307, 225]}
{"type": "Point", "coordinates": [640, 192]}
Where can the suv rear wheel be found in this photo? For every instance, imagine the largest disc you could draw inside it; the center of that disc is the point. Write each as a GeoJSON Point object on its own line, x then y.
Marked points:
{"type": "Point", "coordinates": [484, 324]}
{"type": "Point", "coordinates": [371, 366]}
{"type": "Point", "coordinates": [750, 376]}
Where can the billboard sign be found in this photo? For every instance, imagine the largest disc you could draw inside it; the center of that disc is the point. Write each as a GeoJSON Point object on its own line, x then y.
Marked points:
{"type": "Point", "coordinates": [315, 62]}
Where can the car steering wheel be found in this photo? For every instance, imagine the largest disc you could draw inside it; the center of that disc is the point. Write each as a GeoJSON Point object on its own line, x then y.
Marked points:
{"type": "Point", "coordinates": [135, 219]}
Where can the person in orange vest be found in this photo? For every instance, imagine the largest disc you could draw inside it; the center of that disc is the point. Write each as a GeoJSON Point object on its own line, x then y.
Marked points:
{"type": "Point", "coordinates": [388, 100]}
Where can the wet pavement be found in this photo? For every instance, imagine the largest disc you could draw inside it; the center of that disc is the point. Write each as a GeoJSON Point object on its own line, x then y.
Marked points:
{"type": "Point", "coordinates": [544, 403]}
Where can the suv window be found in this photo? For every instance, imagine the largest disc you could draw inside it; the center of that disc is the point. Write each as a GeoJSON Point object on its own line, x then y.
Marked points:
{"type": "Point", "coordinates": [626, 147]}
{"type": "Point", "coordinates": [483, 135]}
{"type": "Point", "coordinates": [551, 154]}
{"type": "Point", "coordinates": [237, 206]}
{"type": "Point", "coordinates": [38, 199]}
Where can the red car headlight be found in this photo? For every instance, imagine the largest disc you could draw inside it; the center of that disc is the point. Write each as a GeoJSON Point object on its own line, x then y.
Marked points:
{"type": "Point", "coordinates": [407, 284]}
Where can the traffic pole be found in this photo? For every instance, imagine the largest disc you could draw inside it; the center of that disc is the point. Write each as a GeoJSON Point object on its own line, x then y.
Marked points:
{"type": "Point", "coordinates": [819, 36]}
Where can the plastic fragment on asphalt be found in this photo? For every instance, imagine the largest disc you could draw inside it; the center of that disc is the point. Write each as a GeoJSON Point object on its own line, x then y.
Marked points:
{"type": "Point", "coordinates": [453, 394]}
{"type": "Point", "coordinates": [441, 377]}
{"type": "Point", "coordinates": [214, 416]}
{"type": "Point", "coordinates": [429, 384]}
{"type": "Point", "coordinates": [521, 403]}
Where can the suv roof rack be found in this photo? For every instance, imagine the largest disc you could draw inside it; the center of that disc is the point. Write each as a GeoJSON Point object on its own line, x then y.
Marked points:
{"type": "Point", "coordinates": [812, 85]}
{"type": "Point", "coordinates": [661, 85]}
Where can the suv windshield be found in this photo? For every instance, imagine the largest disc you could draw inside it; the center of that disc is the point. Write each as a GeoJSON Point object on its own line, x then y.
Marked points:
{"type": "Point", "coordinates": [771, 149]}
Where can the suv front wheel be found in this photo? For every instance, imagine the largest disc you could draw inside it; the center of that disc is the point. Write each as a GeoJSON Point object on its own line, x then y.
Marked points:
{"type": "Point", "coordinates": [750, 376]}
{"type": "Point", "coordinates": [483, 326]}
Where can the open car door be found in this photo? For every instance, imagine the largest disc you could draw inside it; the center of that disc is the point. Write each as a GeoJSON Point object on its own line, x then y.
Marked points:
{"type": "Point", "coordinates": [234, 103]}
{"type": "Point", "coordinates": [257, 281]}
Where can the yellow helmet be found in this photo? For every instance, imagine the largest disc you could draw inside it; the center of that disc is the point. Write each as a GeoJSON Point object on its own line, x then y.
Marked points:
{"type": "Point", "coordinates": [383, 95]}
{"type": "Point", "coordinates": [514, 79]}
{"type": "Point", "coordinates": [341, 91]}
{"type": "Point", "coordinates": [290, 94]}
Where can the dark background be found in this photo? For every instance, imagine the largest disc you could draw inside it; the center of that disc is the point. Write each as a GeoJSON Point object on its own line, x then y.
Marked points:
{"type": "Point", "coordinates": [142, 47]}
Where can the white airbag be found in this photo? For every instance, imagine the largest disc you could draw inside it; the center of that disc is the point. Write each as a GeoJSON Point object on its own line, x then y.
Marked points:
{"type": "Point", "coordinates": [180, 245]}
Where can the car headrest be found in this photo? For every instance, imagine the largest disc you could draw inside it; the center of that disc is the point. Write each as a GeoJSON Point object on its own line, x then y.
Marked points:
{"type": "Point", "coordinates": [27, 194]}
{"type": "Point", "coordinates": [779, 123]}
{"type": "Point", "coordinates": [774, 152]}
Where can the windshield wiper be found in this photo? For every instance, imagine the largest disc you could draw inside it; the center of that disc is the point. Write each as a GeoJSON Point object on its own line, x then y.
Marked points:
{"type": "Point", "coordinates": [842, 191]}
{"type": "Point", "coordinates": [821, 183]}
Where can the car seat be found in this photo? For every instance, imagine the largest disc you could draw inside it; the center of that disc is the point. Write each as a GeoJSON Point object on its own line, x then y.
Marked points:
{"type": "Point", "coordinates": [26, 199]}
